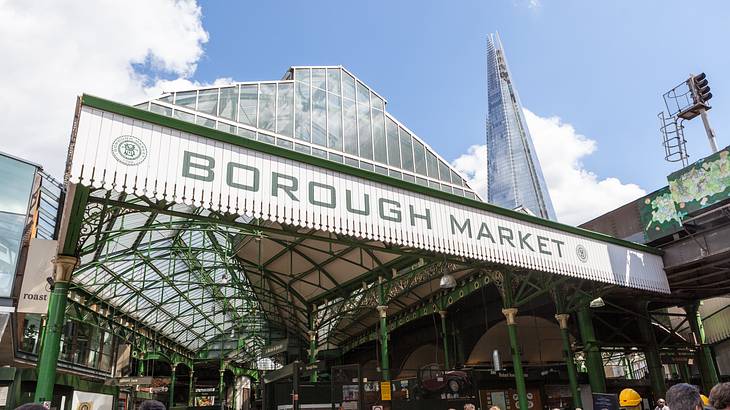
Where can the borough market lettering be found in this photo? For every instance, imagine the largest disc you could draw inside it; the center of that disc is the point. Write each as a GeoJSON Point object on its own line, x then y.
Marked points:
{"type": "Point", "coordinates": [248, 178]}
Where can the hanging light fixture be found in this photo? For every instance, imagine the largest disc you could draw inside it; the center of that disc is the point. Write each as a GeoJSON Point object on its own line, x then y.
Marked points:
{"type": "Point", "coordinates": [597, 303]}
{"type": "Point", "coordinates": [447, 281]}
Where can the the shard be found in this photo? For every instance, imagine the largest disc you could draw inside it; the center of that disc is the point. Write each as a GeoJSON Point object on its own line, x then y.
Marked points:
{"type": "Point", "coordinates": [515, 180]}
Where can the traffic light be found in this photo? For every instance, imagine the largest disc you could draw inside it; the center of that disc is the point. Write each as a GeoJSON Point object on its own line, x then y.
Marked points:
{"type": "Point", "coordinates": [700, 88]}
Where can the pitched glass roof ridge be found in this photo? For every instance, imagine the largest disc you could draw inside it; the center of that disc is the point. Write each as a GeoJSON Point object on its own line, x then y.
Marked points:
{"type": "Point", "coordinates": [324, 111]}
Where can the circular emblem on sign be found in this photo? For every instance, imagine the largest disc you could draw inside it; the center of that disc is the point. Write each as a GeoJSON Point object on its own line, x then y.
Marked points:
{"type": "Point", "coordinates": [582, 253]}
{"type": "Point", "coordinates": [129, 150]}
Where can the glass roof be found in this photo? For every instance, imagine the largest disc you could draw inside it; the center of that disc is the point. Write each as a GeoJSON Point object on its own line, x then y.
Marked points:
{"type": "Point", "coordinates": [321, 111]}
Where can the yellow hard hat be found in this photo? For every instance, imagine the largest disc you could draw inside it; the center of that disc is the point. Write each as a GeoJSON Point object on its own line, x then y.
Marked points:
{"type": "Point", "coordinates": [705, 400]}
{"type": "Point", "coordinates": [629, 398]}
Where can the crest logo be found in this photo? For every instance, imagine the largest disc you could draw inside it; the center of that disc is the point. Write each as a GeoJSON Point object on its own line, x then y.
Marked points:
{"type": "Point", "coordinates": [129, 150]}
{"type": "Point", "coordinates": [582, 253]}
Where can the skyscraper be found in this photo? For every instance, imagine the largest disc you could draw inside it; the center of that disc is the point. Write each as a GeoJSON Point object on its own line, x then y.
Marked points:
{"type": "Point", "coordinates": [515, 179]}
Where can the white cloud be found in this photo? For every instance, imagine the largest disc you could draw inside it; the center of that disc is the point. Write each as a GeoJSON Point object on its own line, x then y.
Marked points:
{"type": "Point", "coordinates": [56, 50]}
{"type": "Point", "coordinates": [578, 194]}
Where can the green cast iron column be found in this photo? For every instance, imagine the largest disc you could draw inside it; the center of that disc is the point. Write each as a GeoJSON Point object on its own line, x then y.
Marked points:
{"type": "Point", "coordinates": [313, 354]}
{"type": "Point", "coordinates": [384, 360]}
{"type": "Point", "coordinates": [708, 370]}
{"type": "Point", "coordinates": [191, 388]}
{"type": "Point", "coordinates": [510, 314]}
{"type": "Point", "coordinates": [171, 401]}
{"type": "Point", "coordinates": [651, 353]}
{"type": "Point", "coordinates": [63, 268]}
{"type": "Point", "coordinates": [140, 365]}
{"type": "Point", "coordinates": [562, 319]}
{"type": "Point", "coordinates": [445, 339]}
{"type": "Point", "coordinates": [594, 362]}
{"type": "Point", "coordinates": [222, 384]}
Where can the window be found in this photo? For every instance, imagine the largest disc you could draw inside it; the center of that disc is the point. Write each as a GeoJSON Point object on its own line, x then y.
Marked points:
{"type": "Point", "coordinates": [419, 154]}
{"type": "Point", "coordinates": [379, 142]}
{"type": "Point", "coordinates": [364, 131]}
{"type": "Point", "coordinates": [334, 121]}
{"type": "Point", "coordinates": [432, 165]}
{"type": "Point", "coordinates": [444, 171]}
{"type": "Point", "coordinates": [186, 99]}
{"type": "Point", "coordinates": [284, 110]}
{"type": "Point", "coordinates": [208, 101]}
{"type": "Point", "coordinates": [319, 116]}
{"type": "Point", "coordinates": [393, 144]}
{"type": "Point", "coordinates": [303, 102]}
{"type": "Point", "coordinates": [406, 150]}
{"type": "Point", "coordinates": [349, 126]}
{"type": "Point", "coordinates": [333, 80]}
{"type": "Point", "coordinates": [248, 104]}
{"type": "Point", "coordinates": [267, 107]}
{"type": "Point", "coordinates": [227, 106]}
{"type": "Point", "coordinates": [348, 86]}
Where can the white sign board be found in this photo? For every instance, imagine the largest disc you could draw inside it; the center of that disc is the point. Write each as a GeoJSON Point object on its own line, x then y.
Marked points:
{"type": "Point", "coordinates": [92, 401]}
{"type": "Point", "coordinates": [35, 291]}
{"type": "Point", "coordinates": [112, 151]}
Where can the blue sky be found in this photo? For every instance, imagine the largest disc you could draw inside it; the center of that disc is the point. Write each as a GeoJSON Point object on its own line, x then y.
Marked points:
{"type": "Point", "coordinates": [591, 74]}
{"type": "Point", "coordinates": [600, 66]}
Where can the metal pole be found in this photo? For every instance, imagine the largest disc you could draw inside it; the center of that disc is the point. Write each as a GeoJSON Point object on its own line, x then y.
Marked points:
{"type": "Point", "coordinates": [171, 401]}
{"type": "Point", "coordinates": [708, 371]}
{"type": "Point", "coordinates": [384, 362]}
{"type": "Point", "coordinates": [63, 268]}
{"type": "Point", "coordinates": [653, 361]}
{"type": "Point", "coordinates": [593, 359]}
{"type": "Point", "coordinates": [708, 129]}
{"type": "Point", "coordinates": [445, 339]}
{"type": "Point", "coordinates": [562, 319]}
{"type": "Point", "coordinates": [191, 388]}
{"type": "Point", "coordinates": [313, 354]}
{"type": "Point", "coordinates": [221, 387]}
{"type": "Point", "coordinates": [510, 314]}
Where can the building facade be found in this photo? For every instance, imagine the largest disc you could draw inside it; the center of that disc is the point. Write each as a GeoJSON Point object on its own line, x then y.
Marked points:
{"type": "Point", "coordinates": [515, 179]}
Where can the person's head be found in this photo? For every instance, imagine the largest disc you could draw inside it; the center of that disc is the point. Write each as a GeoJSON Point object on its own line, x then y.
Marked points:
{"type": "Point", "coordinates": [720, 396]}
{"type": "Point", "coordinates": [683, 396]}
{"type": "Point", "coordinates": [661, 402]}
{"type": "Point", "coordinates": [151, 405]}
{"type": "Point", "coordinates": [494, 408]}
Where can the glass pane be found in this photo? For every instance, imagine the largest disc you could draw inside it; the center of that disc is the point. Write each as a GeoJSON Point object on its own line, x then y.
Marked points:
{"type": "Point", "coordinates": [302, 148]}
{"type": "Point", "coordinates": [186, 99]}
{"type": "Point", "coordinates": [246, 133]}
{"type": "Point", "coordinates": [393, 144]}
{"type": "Point", "coordinates": [377, 102]}
{"type": "Point", "coordinates": [336, 157]}
{"type": "Point", "coordinates": [284, 143]}
{"type": "Point", "coordinates": [226, 127]}
{"type": "Point", "coordinates": [352, 162]}
{"type": "Point", "coordinates": [302, 74]}
{"type": "Point", "coordinates": [267, 106]}
{"type": "Point", "coordinates": [381, 149]}
{"type": "Point", "coordinates": [409, 177]}
{"type": "Point", "coordinates": [366, 165]}
{"type": "Point", "coordinates": [396, 174]}
{"type": "Point", "coordinates": [364, 131]}
{"type": "Point", "coordinates": [334, 121]}
{"type": "Point", "coordinates": [267, 138]}
{"type": "Point", "coordinates": [303, 120]}
{"type": "Point", "coordinates": [208, 101]}
{"type": "Point", "coordinates": [318, 78]}
{"type": "Point", "coordinates": [455, 178]}
{"type": "Point", "coordinates": [444, 171]}
{"type": "Point", "coordinates": [159, 109]}
{"type": "Point", "coordinates": [349, 126]}
{"type": "Point", "coordinates": [168, 99]}
{"type": "Point", "coordinates": [381, 170]}
{"type": "Point", "coordinates": [422, 181]}
{"type": "Point", "coordinates": [406, 150]}
{"type": "Point", "coordinates": [248, 104]}
{"type": "Point", "coordinates": [319, 153]}
{"type": "Point", "coordinates": [227, 108]}
{"type": "Point", "coordinates": [285, 110]}
{"type": "Point", "coordinates": [419, 153]}
{"type": "Point", "coordinates": [206, 122]}
{"type": "Point", "coordinates": [184, 116]}
{"type": "Point", "coordinates": [333, 80]}
{"type": "Point", "coordinates": [348, 86]}
{"type": "Point", "coordinates": [363, 94]}
{"type": "Point", "coordinates": [433, 165]}
{"type": "Point", "coordinates": [469, 194]}
{"type": "Point", "coordinates": [15, 192]}
{"type": "Point", "coordinates": [319, 117]}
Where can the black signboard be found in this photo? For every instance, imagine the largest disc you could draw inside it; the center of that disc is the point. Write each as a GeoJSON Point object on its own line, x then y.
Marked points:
{"type": "Point", "coordinates": [278, 374]}
{"type": "Point", "coordinates": [603, 401]}
{"type": "Point", "coordinates": [275, 348]}
{"type": "Point", "coordinates": [129, 381]}
{"type": "Point", "coordinates": [310, 368]}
